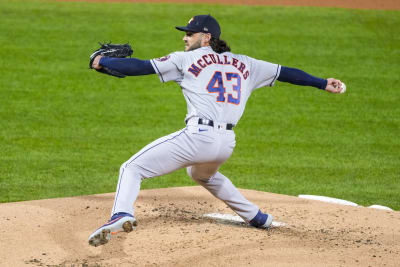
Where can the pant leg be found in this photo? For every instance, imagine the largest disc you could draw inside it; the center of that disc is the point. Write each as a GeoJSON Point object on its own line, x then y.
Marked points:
{"type": "Point", "coordinates": [222, 188]}
{"type": "Point", "coordinates": [160, 157]}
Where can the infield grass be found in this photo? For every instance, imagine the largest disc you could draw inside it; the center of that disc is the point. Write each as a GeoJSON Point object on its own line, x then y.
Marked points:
{"type": "Point", "coordinates": [65, 130]}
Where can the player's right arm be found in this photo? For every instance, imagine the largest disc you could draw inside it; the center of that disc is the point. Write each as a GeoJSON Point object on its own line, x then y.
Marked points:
{"type": "Point", "coordinates": [126, 66]}
{"type": "Point", "coordinates": [265, 74]}
{"type": "Point", "coordinates": [299, 77]}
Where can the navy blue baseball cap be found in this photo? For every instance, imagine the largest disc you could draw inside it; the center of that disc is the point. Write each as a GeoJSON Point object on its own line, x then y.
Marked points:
{"type": "Point", "coordinates": [202, 23]}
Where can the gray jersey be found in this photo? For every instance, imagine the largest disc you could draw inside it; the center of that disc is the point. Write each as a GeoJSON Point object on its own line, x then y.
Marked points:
{"type": "Point", "coordinates": [215, 86]}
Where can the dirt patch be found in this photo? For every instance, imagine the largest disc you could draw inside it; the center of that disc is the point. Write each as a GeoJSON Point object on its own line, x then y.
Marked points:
{"type": "Point", "coordinates": [173, 232]}
{"type": "Point", "coordinates": [357, 4]}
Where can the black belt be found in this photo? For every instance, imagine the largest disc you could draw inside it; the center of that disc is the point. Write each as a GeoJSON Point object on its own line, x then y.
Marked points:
{"type": "Point", "coordinates": [229, 126]}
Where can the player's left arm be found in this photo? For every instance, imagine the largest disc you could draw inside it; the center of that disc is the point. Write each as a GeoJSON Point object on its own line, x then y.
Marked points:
{"type": "Point", "coordinates": [299, 77]}
{"type": "Point", "coordinates": [126, 66]}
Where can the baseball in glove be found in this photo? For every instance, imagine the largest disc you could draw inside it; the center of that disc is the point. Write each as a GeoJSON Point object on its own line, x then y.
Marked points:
{"type": "Point", "coordinates": [111, 50]}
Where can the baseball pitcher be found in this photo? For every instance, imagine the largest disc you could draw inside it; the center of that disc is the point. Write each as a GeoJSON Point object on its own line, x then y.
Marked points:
{"type": "Point", "coordinates": [216, 85]}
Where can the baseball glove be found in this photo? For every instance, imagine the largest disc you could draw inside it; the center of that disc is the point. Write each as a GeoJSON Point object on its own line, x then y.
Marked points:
{"type": "Point", "coordinates": [111, 50]}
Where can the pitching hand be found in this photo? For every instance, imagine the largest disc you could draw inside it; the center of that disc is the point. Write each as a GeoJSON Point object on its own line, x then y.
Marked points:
{"type": "Point", "coordinates": [333, 86]}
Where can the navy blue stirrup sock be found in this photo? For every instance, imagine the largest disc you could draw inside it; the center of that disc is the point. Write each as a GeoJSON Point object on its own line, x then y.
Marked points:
{"type": "Point", "coordinates": [118, 214]}
{"type": "Point", "coordinates": [259, 220]}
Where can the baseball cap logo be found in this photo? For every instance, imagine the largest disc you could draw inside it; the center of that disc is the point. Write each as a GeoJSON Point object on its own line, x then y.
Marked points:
{"type": "Point", "coordinates": [202, 23]}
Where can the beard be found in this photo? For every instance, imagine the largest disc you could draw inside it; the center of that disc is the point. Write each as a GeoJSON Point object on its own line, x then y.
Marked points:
{"type": "Point", "coordinates": [194, 46]}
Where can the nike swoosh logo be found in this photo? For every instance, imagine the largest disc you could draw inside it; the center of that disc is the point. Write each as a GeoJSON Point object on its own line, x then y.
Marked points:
{"type": "Point", "coordinates": [203, 130]}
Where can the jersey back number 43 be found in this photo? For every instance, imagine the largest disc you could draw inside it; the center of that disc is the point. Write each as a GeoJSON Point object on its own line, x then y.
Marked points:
{"type": "Point", "coordinates": [216, 85]}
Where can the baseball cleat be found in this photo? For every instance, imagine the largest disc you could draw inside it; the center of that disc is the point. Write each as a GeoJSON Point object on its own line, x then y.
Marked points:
{"type": "Point", "coordinates": [120, 221]}
{"type": "Point", "coordinates": [262, 220]}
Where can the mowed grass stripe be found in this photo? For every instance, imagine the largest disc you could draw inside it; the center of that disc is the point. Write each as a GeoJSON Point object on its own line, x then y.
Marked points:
{"type": "Point", "coordinates": [65, 130]}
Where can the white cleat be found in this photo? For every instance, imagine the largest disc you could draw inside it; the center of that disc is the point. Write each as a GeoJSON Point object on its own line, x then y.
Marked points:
{"type": "Point", "coordinates": [119, 222]}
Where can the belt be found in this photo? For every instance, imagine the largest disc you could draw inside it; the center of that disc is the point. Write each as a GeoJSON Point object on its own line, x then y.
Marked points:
{"type": "Point", "coordinates": [229, 126]}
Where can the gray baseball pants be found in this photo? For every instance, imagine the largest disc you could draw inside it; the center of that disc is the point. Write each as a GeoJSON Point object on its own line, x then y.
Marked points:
{"type": "Point", "coordinates": [201, 149]}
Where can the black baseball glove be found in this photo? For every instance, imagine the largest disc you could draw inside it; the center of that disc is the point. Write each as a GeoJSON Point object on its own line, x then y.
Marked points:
{"type": "Point", "coordinates": [111, 50]}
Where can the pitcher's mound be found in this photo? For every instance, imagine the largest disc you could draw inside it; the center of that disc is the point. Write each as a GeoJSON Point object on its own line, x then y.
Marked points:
{"type": "Point", "coordinates": [173, 231]}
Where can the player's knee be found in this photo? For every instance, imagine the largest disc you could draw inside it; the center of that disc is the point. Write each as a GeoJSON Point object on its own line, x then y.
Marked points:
{"type": "Point", "coordinates": [131, 167]}
{"type": "Point", "coordinates": [193, 174]}
{"type": "Point", "coordinates": [197, 174]}
{"type": "Point", "coordinates": [122, 167]}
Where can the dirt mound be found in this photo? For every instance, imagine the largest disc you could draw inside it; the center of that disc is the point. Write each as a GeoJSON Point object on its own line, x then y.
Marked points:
{"type": "Point", "coordinates": [172, 231]}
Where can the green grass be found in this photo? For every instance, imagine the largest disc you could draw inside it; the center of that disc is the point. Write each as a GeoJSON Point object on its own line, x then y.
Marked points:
{"type": "Point", "coordinates": [65, 130]}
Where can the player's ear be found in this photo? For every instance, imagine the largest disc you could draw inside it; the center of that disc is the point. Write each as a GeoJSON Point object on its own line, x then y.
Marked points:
{"type": "Point", "coordinates": [206, 38]}
{"type": "Point", "coordinates": [209, 37]}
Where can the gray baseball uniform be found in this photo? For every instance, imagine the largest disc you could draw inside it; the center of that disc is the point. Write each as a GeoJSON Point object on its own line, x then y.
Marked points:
{"type": "Point", "coordinates": [216, 88]}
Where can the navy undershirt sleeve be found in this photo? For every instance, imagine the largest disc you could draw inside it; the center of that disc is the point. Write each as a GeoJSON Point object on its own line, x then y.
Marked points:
{"type": "Point", "coordinates": [128, 66]}
{"type": "Point", "coordinates": [299, 77]}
